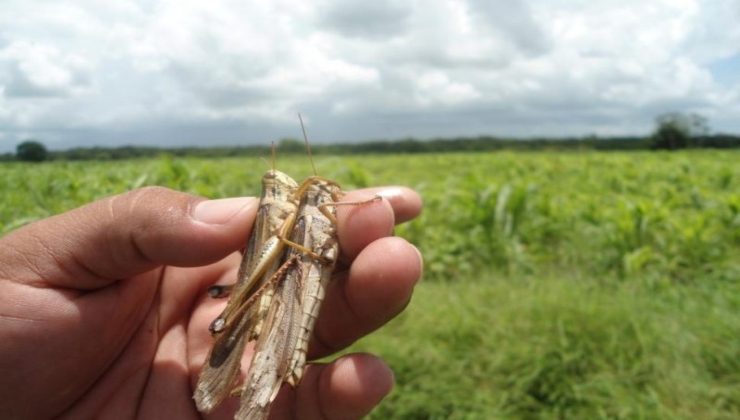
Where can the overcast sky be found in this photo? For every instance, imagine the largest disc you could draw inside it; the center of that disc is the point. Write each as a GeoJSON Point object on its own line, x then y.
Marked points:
{"type": "Point", "coordinates": [83, 73]}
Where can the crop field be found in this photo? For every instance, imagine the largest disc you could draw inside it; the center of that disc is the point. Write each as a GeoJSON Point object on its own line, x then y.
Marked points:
{"type": "Point", "coordinates": [557, 284]}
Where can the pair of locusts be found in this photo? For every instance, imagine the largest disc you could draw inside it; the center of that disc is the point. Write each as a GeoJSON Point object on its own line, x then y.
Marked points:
{"type": "Point", "coordinates": [289, 260]}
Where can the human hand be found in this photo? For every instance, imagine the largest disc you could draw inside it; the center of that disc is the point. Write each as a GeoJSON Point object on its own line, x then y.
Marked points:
{"type": "Point", "coordinates": [103, 310]}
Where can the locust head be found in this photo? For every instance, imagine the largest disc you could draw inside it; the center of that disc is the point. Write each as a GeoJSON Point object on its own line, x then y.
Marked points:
{"type": "Point", "coordinates": [278, 184]}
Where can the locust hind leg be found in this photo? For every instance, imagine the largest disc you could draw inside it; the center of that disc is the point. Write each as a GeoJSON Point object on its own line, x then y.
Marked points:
{"type": "Point", "coordinates": [221, 322]}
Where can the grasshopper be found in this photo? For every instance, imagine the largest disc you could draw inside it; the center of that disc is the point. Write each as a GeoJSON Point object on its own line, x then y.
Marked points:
{"type": "Point", "coordinates": [239, 323]}
{"type": "Point", "coordinates": [280, 353]}
{"type": "Point", "coordinates": [277, 297]}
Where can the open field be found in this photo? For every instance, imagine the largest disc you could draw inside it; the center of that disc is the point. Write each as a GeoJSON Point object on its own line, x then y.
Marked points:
{"type": "Point", "coordinates": [557, 285]}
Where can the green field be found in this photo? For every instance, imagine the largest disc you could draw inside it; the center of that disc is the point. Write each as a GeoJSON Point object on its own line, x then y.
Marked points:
{"type": "Point", "coordinates": [557, 284]}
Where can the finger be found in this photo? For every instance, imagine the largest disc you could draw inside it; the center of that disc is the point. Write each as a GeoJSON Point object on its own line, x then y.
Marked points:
{"type": "Point", "coordinates": [358, 225]}
{"type": "Point", "coordinates": [348, 388]}
{"type": "Point", "coordinates": [125, 235]}
{"type": "Point", "coordinates": [376, 288]}
{"type": "Point", "coordinates": [382, 276]}
{"type": "Point", "coordinates": [406, 203]}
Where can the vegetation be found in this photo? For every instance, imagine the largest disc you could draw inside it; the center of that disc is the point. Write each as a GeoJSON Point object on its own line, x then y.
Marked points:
{"type": "Point", "coordinates": [679, 131]}
{"type": "Point", "coordinates": [574, 284]}
{"type": "Point", "coordinates": [31, 151]}
{"type": "Point", "coordinates": [668, 137]}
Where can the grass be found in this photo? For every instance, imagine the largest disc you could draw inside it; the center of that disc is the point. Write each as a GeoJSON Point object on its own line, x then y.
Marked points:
{"type": "Point", "coordinates": [533, 347]}
{"type": "Point", "coordinates": [557, 285]}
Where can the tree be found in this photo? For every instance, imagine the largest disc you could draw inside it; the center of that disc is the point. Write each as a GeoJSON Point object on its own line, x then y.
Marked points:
{"type": "Point", "coordinates": [31, 151]}
{"type": "Point", "coordinates": [676, 130]}
{"type": "Point", "coordinates": [288, 145]}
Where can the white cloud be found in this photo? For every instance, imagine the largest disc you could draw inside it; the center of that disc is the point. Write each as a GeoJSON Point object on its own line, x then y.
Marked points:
{"type": "Point", "coordinates": [175, 72]}
{"type": "Point", "coordinates": [37, 70]}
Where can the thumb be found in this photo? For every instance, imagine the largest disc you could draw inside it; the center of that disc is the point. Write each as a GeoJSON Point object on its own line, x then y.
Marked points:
{"type": "Point", "coordinates": [125, 235]}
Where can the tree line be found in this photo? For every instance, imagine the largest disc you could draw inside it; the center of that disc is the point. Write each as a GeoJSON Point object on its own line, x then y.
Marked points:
{"type": "Point", "coordinates": [673, 131]}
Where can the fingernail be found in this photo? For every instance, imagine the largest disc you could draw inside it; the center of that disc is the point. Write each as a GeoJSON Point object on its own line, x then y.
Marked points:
{"type": "Point", "coordinates": [390, 193]}
{"type": "Point", "coordinates": [218, 212]}
{"type": "Point", "coordinates": [421, 262]}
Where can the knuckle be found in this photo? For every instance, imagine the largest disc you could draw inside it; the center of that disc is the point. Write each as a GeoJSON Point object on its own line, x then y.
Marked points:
{"type": "Point", "coordinates": [146, 207]}
{"type": "Point", "coordinates": [151, 197]}
{"type": "Point", "coordinates": [149, 191]}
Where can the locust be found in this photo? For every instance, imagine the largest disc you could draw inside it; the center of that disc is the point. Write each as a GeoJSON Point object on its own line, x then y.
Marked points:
{"type": "Point", "coordinates": [280, 286]}
{"type": "Point", "coordinates": [280, 352]}
{"type": "Point", "coordinates": [241, 321]}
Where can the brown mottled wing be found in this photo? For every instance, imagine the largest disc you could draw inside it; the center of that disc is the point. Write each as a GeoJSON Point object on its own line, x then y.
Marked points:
{"type": "Point", "coordinates": [280, 353]}
{"type": "Point", "coordinates": [239, 323]}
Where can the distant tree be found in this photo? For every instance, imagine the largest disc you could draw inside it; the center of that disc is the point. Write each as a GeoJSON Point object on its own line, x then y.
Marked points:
{"type": "Point", "coordinates": [677, 130]}
{"type": "Point", "coordinates": [288, 145]}
{"type": "Point", "coordinates": [31, 151]}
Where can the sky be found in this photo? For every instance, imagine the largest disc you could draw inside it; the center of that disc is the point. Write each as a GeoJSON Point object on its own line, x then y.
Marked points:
{"type": "Point", "coordinates": [190, 72]}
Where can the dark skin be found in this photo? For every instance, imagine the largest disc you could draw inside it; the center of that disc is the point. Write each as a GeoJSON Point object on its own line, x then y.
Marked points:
{"type": "Point", "coordinates": [104, 312]}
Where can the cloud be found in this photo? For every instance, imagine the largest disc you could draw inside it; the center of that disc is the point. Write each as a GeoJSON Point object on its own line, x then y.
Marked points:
{"type": "Point", "coordinates": [30, 71]}
{"type": "Point", "coordinates": [192, 72]}
{"type": "Point", "coordinates": [511, 20]}
{"type": "Point", "coordinates": [379, 19]}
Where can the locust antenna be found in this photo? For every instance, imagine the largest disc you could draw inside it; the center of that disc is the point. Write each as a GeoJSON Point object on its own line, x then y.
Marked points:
{"type": "Point", "coordinates": [272, 150]}
{"type": "Point", "coordinates": [271, 163]}
{"type": "Point", "coordinates": [308, 147]}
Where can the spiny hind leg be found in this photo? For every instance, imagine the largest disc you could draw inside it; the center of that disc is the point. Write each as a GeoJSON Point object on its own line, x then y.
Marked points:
{"type": "Point", "coordinates": [222, 321]}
